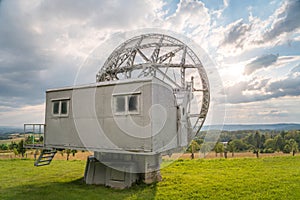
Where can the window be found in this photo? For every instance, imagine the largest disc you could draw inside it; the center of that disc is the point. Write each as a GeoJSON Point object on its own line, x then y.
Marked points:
{"type": "Point", "coordinates": [64, 107]}
{"type": "Point", "coordinates": [60, 108]}
{"type": "Point", "coordinates": [120, 103]}
{"type": "Point", "coordinates": [126, 104]}
{"type": "Point", "coordinates": [133, 103]}
{"type": "Point", "coordinates": [56, 107]}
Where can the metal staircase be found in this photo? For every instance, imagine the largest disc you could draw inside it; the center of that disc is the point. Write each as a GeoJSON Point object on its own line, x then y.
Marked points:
{"type": "Point", "coordinates": [45, 158]}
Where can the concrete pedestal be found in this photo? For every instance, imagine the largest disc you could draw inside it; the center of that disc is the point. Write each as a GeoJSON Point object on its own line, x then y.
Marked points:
{"type": "Point", "coordinates": [122, 170]}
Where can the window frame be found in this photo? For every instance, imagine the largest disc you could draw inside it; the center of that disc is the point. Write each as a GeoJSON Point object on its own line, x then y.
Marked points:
{"type": "Point", "coordinates": [126, 105]}
{"type": "Point", "coordinates": [60, 102]}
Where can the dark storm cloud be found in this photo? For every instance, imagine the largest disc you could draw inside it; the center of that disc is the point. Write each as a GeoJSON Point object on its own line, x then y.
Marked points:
{"type": "Point", "coordinates": [287, 21]}
{"type": "Point", "coordinates": [260, 62]}
{"type": "Point", "coordinates": [237, 34]}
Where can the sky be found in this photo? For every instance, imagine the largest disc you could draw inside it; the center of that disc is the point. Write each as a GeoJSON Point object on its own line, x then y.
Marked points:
{"type": "Point", "coordinates": [255, 46]}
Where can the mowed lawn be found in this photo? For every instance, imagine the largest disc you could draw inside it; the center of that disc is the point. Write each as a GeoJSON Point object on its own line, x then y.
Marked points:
{"type": "Point", "coordinates": [240, 178]}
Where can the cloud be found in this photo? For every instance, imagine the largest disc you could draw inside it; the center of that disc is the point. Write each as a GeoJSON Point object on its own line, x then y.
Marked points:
{"type": "Point", "coordinates": [101, 14]}
{"type": "Point", "coordinates": [21, 61]}
{"type": "Point", "coordinates": [268, 111]}
{"type": "Point", "coordinates": [295, 71]}
{"type": "Point", "coordinates": [257, 84]}
{"type": "Point", "coordinates": [254, 33]}
{"type": "Point", "coordinates": [26, 114]}
{"type": "Point", "coordinates": [245, 92]}
{"type": "Point", "coordinates": [236, 33]}
{"type": "Point", "coordinates": [273, 113]}
{"type": "Point", "coordinates": [260, 62]}
{"type": "Point", "coordinates": [289, 86]}
{"type": "Point", "coordinates": [238, 37]}
{"type": "Point", "coordinates": [42, 43]}
{"type": "Point", "coordinates": [260, 89]}
{"type": "Point", "coordinates": [287, 20]}
{"type": "Point", "coordinates": [191, 17]}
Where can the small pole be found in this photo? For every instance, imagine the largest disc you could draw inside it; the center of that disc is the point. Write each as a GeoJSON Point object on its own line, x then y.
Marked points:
{"type": "Point", "coordinates": [33, 129]}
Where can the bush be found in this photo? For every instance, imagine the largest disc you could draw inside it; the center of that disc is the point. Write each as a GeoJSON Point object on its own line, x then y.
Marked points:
{"type": "Point", "coordinates": [267, 150]}
{"type": "Point", "coordinates": [4, 147]}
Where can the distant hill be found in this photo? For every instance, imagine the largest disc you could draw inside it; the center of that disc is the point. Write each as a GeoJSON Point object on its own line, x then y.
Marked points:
{"type": "Point", "coordinates": [238, 127]}
{"type": "Point", "coordinates": [5, 130]}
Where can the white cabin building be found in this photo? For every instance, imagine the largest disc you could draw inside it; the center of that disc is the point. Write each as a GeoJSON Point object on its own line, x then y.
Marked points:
{"type": "Point", "coordinates": [133, 115]}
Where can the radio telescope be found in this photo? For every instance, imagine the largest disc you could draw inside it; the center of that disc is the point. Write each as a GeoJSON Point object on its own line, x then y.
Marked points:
{"type": "Point", "coordinates": [150, 98]}
{"type": "Point", "coordinates": [170, 60]}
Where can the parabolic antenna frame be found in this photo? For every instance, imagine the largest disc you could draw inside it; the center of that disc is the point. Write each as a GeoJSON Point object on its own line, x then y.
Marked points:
{"type": "Point", "coordinates": [170, 60]}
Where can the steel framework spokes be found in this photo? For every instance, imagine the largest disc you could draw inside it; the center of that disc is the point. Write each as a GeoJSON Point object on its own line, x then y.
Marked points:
{"type": "Point", "coordinates": [166, 58]}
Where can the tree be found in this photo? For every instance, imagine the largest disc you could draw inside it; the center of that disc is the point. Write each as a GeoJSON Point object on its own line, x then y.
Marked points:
{"type": "Point", "coordinates": [219, 148]}
{"type": "Point", "coordinates": [239, 145]}
{"type": "Point", "coordinates": [68, 152]}
{"type": "Point", "coordinates": [41, 139]}
{"type": "Point", "coordinates": [21, 149]}
{"type": "Point", "coordinates": [29, 139]}
{"type": "Point", "coordinates": [226, 150]}
{"type": "Point", "coordinates": [194, 147]}
{"type": "Point", "coordinates": [249, 139]}
{"type": "Point", "coordinates": [270, 144]}
{"type": "Point", "coordinates": [204, 148]}
{"type": "Point", "coordinates": [74, 151]}
{"type": "Point", "coordinates": [257, 141]}
{"type": "Point", "coordinates": [15, 151]}
{"type": "Point", "coordinates": [279, 143]}
{"type": "Point", "coordinates": [198, 140]}
{"type": "Point", "coordinates": [294, 146]}
{"type": "Point", "coordinates": [13, 145]}
{"type": "Point", "coordinates": [231, 147]}
{"type": "Point", "coordinates": [36, 152]}
{"type": "Point", "coordinates": [287, 149]}
{"type": "Point", "coordinates": [262, 141]}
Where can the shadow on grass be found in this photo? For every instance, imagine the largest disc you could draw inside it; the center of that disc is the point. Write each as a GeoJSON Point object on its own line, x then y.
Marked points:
{"type": "Point", "coordinates": [77, 189]}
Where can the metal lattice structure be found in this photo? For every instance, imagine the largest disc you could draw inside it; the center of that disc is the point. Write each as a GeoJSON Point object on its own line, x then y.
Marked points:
{"type": "Point", "coordinates": [168, 59]}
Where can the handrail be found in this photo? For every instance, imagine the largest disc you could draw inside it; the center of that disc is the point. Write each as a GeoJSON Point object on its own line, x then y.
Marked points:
{"type": "Point", "coordinates": [34, 135]}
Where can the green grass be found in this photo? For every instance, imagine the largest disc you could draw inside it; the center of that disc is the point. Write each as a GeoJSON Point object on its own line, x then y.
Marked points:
{"type": "Point", "coordinates": [246, 178]}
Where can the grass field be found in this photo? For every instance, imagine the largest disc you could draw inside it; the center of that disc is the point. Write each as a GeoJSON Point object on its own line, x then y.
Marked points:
{"type": "Point", "coordinates": [238, 178]}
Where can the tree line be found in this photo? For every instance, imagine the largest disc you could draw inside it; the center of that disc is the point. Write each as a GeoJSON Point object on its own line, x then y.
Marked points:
{"type": "Point", "coordinates": [245, 141]}
{"type": "Point", "coordinates": [18, 149]}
